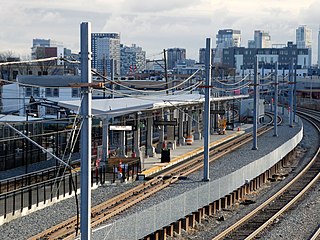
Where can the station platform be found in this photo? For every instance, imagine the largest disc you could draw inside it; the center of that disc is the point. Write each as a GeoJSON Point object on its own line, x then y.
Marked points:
{"type": "Point", "coordinates": [149, 165]}
{"type": "Point", "coordinates": [152, 165]}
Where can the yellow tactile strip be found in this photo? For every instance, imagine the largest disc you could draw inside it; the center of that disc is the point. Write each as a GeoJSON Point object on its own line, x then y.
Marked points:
{"type": "Point", "coordinates": [196, 151]}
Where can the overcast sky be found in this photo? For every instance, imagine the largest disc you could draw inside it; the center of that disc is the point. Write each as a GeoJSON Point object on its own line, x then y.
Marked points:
{"type": "Point", "coordinates": [152, 24]}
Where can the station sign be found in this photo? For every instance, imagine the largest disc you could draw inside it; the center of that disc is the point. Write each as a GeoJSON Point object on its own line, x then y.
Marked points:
{"type": "Point", "coordinates": [120, 128]}
{"type": "Point", "coordinates": [217, 111]}
{"type": "Point", "coordinates": [165, 123]}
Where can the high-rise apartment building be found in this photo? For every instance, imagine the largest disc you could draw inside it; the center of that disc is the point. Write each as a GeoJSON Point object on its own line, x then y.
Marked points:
{"type": "Point", "coordinates": [105, 46]}
{"type": "Point", "coordinates": [304, 38]}
{"type": "Point", "coordinates": [133, 60]}
{"type": "Point", "coordinates": [175, 55]}
{"type": "Point", "coordinates": [262, 39]}
{"type": "Point", "coordinates": [224, 39]}
{"type": "Point", "coordinates": [202, 55]}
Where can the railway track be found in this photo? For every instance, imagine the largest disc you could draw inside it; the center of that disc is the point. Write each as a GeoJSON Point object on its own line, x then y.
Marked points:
{"type": "Point", "coordinates": [250, 226]}
{"type": "Point", "coordinates": [100, 213]}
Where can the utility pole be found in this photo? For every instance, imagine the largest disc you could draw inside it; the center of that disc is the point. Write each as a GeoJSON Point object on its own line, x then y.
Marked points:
{"type": "Point", "coordinates": [283, 88]}
{"type": "Point", "coordinates": [165, 69]}
{"type": "Point", "coordinates": [207, 110]}
{"type": "Point", "coordinates": [276, 83]}
{"type": "Point", "coordinates": [85, 137]}
{"type": "Point", "coordinates": [112, 77]}
{"type": "Point", "coordinates": [295, 91]}
{"type": "Point", "coordinates": [255, 104]}
{"type": "Point", "coordinates": [291, 95]}
{"type": "Point", "coordinates": [234, 93]}
{"type": "Point", "coordinates": [104, 75]}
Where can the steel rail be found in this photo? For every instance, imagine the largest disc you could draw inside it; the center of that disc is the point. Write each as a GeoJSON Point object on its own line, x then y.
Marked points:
{"type": "Point", "coordinates": [120, 203]}
{"type": "Point", "coordinates": [262, 208]}
{"type": "Point", "coordinates": [315, 235]}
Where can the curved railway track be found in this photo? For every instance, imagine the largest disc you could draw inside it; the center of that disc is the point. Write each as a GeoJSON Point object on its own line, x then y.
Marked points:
{"type": "Point", "coordinates": [250, 226]}
{"type": "Point", "coordinates": [102, 212]}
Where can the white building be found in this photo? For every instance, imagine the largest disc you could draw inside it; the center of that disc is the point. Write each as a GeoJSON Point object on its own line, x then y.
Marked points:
{"type": "Point", "coordinates": [226, 38]}
{"type": "Point", "coordinates": [105, 46]}
{"type": "Point", "coordinates": [133, 60]}
{"type": "Point", "coordinates": [262, 39]}
{"type": "Point", "coordinates": [304, 38]}
{"type": "Point", "coordinates": [48, 90]}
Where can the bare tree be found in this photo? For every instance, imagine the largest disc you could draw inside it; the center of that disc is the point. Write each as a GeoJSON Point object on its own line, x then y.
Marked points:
{"type": "Point", "coordinates": [24, 68]}
{"type": "Point", "coordinates": [5, 71]}
{"type": "Point", "coordinates": [40, 53]}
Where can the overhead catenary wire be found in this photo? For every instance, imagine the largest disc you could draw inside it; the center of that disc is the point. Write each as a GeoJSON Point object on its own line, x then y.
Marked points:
{"type": "Point", "coordinates": [31, 61]}
{"type": "Point", "coordinates": [111, 81]}
{"type": "Point", "coordinates": [73, 141]}
{"type": "Point", "coordinates": [146, 91]}
{"type": "Point", "coordinates": [154, 55]}
{"type": "Point", "coordinates": [35, 143]}
{"type": "Point", "coordinates": [144, 98]}
{"type": "Point", "coordinates": [177, 92]}
{"type": "Point", "coordinates": [181, 110]}
{"type": "Point", "coordinates": [159, 83]}
{"type": "Point", "coordinates": [266, 77]}
{"type": "Point", "coordinates": [232, 84]}
{"type": "Point", "coordinates": [231, 89]}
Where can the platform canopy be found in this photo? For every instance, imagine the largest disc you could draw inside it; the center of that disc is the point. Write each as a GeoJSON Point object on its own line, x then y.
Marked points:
{"type": "Point", "coordinates": [102, 108]}
{"type": "Point", "coordinates": [16, 118]}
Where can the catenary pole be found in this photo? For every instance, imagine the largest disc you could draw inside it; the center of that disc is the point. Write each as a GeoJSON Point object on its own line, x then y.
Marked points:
{"type": "Point", "coordinates": [85, 137]}
{"type": "Point", "coordinates": [207, 110]}
{"type": "Point", "coordinates": [165, 69]}
{"type": "Point", "coordinates": [112, 63]}
{"type": "Point", "coordinates": [275, 127]}
{"type": "Point", "coordinates": [283, 88]}
{"type": "Point", "coordinates": [255, 104]}
{"type": "Point", "coordinates": [295, 91]}
{"type": "Point", "coordinates": [291, 95]}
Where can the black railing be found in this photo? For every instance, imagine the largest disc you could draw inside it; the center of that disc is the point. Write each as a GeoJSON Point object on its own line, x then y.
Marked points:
{"type": "Point", "coordinates": [15, 183]}
{"type": "Point", "coordinates": [31, 195]}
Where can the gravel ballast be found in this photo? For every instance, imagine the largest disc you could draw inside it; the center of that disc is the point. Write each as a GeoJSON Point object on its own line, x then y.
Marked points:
{"type": "Point", "coordinates": [38, 221]}
{"type": "Point", "coordinates": [298, 223]}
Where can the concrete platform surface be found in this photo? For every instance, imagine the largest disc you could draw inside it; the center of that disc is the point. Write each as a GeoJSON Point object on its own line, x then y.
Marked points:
{"type": "Point", "coordinates": [152, 165]}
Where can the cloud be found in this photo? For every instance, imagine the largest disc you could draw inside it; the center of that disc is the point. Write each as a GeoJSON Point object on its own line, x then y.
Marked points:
{"type": "Point", "coordinates": [158, 6]}
{"type": "Point", "coordinates": [151, 24]}
{"type": "Point", "coordinates": [155, 33]}
{"type": "Point", "coordinates": [310, 15]}
{"type": "Point", "coordinates": [43, 16]}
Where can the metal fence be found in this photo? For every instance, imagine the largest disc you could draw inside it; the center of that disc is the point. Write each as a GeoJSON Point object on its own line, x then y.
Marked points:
{"type": "Point", "coordinates": [36, 193]}
{"type": "Point", "coordinates": [143, 223]}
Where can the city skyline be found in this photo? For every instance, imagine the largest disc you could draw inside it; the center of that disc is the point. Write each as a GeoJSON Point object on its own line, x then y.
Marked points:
{"type": "Point", "coordinates": [154, 25]}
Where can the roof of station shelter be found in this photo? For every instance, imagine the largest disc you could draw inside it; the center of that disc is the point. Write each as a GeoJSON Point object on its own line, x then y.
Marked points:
{"type": "Point", "coordinates": [103, 108]}
{"type": "Point", "coordinates": [15, 118]}
{"type": "Point", "coordinates": [49, 80]}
